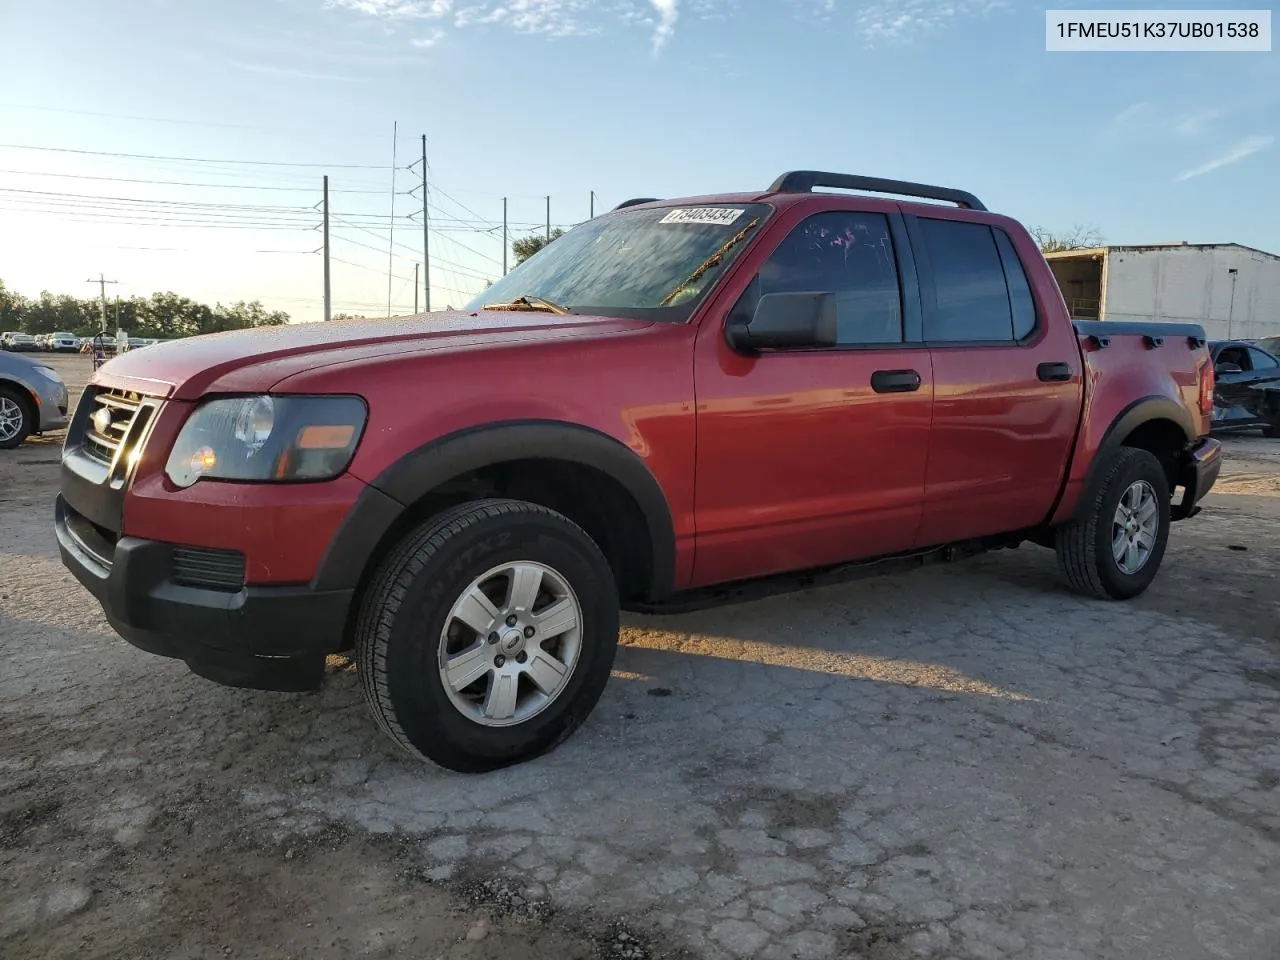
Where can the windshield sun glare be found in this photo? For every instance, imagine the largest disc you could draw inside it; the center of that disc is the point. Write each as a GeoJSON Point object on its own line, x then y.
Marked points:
{"type": "Point", "coordinates": [657, 262]}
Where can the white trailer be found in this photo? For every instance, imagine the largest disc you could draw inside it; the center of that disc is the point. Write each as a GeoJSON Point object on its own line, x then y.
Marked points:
{"type": "Point", "coordinates": [1231, 290]}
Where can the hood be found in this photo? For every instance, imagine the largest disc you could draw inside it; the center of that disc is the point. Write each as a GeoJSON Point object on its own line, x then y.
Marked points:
{"type": "Point", "coordinates": [185, 369]}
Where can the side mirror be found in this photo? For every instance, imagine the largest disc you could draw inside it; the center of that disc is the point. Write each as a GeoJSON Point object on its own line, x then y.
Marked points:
{"type": "Point", "coordinates": [787, 321]}
{"type": "Point", "coordinates": [1222, 368]}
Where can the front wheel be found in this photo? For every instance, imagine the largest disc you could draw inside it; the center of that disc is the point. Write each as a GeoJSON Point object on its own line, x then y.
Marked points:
{"type": "Point", "coordinates": [1114, 547]}
{"type": "Point", "coordinates": [15, 419]}
{"type": "Point", "coordinates": [488, 636]}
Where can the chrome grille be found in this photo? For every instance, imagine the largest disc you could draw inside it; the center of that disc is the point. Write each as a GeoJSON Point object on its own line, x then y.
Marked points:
{"type": "Point", "coordinates": [116, 419]}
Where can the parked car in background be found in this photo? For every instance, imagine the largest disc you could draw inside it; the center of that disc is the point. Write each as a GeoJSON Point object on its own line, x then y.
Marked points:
{"type": "Point", "coordinates": [16, 342]}
{"type": "Point", "coordinates": [1247, 391]}
{"type": "Point", "coordinates": [63, 343]}
{"type": "Point", "coordinates": [33, 400]}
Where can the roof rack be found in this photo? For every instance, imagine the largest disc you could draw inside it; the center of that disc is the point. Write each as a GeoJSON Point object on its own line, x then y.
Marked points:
{"type": "Point", "coordinates": [803, 181]}
{"type": "Point", "coordinates": [636, 201]}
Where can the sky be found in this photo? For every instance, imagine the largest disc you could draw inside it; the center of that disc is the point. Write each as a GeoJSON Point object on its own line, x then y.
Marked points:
{"type": "Point", "coordinates": [526, 99]}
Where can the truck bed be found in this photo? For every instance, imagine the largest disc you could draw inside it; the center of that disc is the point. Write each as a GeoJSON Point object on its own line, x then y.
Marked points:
{"type": "Point", "coordinates": [1127, 364]}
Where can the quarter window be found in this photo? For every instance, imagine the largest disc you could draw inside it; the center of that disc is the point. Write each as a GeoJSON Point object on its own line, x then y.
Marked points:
{"type": "Point", "coordinates": [849, 255]}
{"type": "Point", "coordinates": [981, 291]}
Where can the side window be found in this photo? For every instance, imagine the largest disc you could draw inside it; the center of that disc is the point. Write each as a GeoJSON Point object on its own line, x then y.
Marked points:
{"type": "Point", "coordinates": [847, 254]}
{"type": "Point", "coordinates": [1020, 299]}
{"type": "Point", "coordinates": [973, 297]}
{"type": "Point", "coordinates": [1237, 355]}
{"type": "Point", "coordinates": [1261, 361]}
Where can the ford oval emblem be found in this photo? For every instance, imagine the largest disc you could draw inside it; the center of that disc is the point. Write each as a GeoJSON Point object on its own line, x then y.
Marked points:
{"type": "Point", "coordinates": [101, 420]}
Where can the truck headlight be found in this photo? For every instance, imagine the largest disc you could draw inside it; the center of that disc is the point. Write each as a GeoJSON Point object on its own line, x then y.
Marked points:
{"type": "Point", "coordinates": [263, 439]}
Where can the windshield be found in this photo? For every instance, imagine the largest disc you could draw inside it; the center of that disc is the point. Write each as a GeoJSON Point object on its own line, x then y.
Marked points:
{"type": "Point", "coordinates": [654, 264]}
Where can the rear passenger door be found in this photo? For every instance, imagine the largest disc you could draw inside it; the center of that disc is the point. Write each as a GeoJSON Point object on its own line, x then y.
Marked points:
{"type": "Point", "coordinates": [1007, 383]}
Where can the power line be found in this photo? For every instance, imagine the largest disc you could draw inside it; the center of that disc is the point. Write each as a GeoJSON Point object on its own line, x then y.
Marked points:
{"type": "Point", "coordinates": [184, 183]}
{"type": "Point", "coordinates": [362, 266]}
{"type": "Point", "coordinates": [126, 116]}
{"type": "Point", "coordinates": [452, 263]}
{"type": "Point", "coordinates": [479, 225]}
{"type": "Point", "coordinates": [146, 156]}
{"type": "Point", "coordinates": [75, 212]}
{"type": "Point", "coordinates": [164, 203]}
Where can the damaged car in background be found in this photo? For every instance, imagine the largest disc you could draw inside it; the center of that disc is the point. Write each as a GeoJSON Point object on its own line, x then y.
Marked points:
{"type": "Point", "coordinates": [1247, 391]}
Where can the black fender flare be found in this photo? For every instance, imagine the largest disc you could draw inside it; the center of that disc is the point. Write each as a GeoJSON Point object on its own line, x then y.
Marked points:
{"type": "Point", "coordinates": [1140, 411]}
{"type": "Point", "coordinates": [426, 468]}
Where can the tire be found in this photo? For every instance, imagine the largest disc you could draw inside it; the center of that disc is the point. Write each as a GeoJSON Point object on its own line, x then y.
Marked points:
{"type": "Point", "coordinates": [1085, 545]}
{"type": "Point", "coordinates": [406, 630]}
{"type": "Point", "coordinates": [1272, 429]}
{"type": "Point", "coordinates": [16, 420]}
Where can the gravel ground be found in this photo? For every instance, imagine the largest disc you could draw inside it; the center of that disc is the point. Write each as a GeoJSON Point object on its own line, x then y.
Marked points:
{"type": "Point", "coordinates": [964, 762]}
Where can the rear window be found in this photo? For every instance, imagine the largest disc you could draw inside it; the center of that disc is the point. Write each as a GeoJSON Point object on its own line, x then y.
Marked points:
{"type": "Point", "coordinates": [1270, 344]}
{"type": "Point", "coordinates": [654, 263]}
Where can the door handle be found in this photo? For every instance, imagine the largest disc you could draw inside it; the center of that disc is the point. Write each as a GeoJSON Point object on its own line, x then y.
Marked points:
{"type": "Point", "coordinates": [1053, 372]}
{"type": "Point", "coordinates": [895, 381]}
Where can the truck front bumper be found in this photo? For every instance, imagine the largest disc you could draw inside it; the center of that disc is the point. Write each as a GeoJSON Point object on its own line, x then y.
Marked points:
{"type": "Point", "coordinates": [1197, 473]}
{"type": "Point", "coordinates": [261, 637]}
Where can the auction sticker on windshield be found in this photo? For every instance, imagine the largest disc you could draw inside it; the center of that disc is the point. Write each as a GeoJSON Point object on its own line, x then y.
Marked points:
{"type": "Point", "coordinates": [721, 216]}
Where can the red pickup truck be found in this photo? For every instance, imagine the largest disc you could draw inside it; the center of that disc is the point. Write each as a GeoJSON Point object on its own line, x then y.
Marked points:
{"type": "Point", "coordinates": [672, 396]}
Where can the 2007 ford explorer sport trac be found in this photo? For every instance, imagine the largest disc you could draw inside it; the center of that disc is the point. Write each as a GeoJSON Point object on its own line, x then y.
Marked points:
{"type": "Point", "coordinates": [672, 396]}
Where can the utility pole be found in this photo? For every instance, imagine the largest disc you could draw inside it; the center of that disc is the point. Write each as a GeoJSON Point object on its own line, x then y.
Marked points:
{"type": "Point", "coordinates": [328, 297]}
{"type": "Point", "coordinates": [117, 311]}
{"type": "Point", "coordinates": [102, 293]}
{"type": "Point", "coordinates": [504, 236]}
{"type": "Point", "coordinates": [426, 237]}
{"type": "Point", "coordinates": [548, 218]}
{"type": "Point", "coordinates": [391, 254]}
{"type": "Point", "coordinates": [415, 288]}
{"type": "Point", "coordinates": [1231, 310]}
{"type": "Point", "coordinates": [593, 205]}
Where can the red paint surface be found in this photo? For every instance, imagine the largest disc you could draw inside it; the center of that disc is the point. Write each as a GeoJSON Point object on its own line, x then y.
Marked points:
{"type": "Point", "coordinates": [768, 464]}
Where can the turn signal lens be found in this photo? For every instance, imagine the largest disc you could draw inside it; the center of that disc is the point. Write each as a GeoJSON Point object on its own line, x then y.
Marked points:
{"type": "Point", "coordinates": [319, 437]}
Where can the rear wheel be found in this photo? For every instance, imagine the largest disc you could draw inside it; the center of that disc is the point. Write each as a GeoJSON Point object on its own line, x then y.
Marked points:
{"type": "Point", "coordinates": [488, 636]}
{"type": "Point", "coordinates": [15, 418]}
{"type": "Point", "coordinates": [1114, 548]}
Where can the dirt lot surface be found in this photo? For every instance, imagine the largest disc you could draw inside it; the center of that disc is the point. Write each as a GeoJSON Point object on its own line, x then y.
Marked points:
{"type": "Point", "coordinates": [965, 762]}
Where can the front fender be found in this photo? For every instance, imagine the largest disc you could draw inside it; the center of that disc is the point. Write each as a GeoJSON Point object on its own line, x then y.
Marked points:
{"type": "Point", "coordinates": [426, 468]}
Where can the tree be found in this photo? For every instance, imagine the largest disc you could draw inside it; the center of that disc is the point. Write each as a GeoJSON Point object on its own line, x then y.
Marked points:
{"type": "Point", "coordinates": [12, 307]}
{"type": "Point", "coordinates": [526, 247]}
{"type": "Point", "coordinates": [162, 315]}
{"type": "Point", "coordinates": [1077, 238]}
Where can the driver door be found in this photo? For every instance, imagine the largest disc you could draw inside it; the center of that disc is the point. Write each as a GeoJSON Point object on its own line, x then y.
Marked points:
{"type": "Point", "coordinates": [817, 456]}
{"type": "Point", "coordinates": [1231, 387]}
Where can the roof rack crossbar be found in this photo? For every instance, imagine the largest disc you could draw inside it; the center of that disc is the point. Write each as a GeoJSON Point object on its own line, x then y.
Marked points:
{"type": "Point", "coordinates": [804, 181]}
{"type": "Point", "coordinates": [636, 201]}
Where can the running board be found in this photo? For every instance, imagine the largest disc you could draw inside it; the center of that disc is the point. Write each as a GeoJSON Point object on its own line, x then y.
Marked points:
{"type": "Point", "coordinates": [747, 591]}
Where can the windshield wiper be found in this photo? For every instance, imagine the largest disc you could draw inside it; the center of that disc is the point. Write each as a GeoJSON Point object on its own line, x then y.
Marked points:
{"type": "Point", "coordinates": [708, 263]}
{"type": "Point", "coordinates": [529, 301]}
